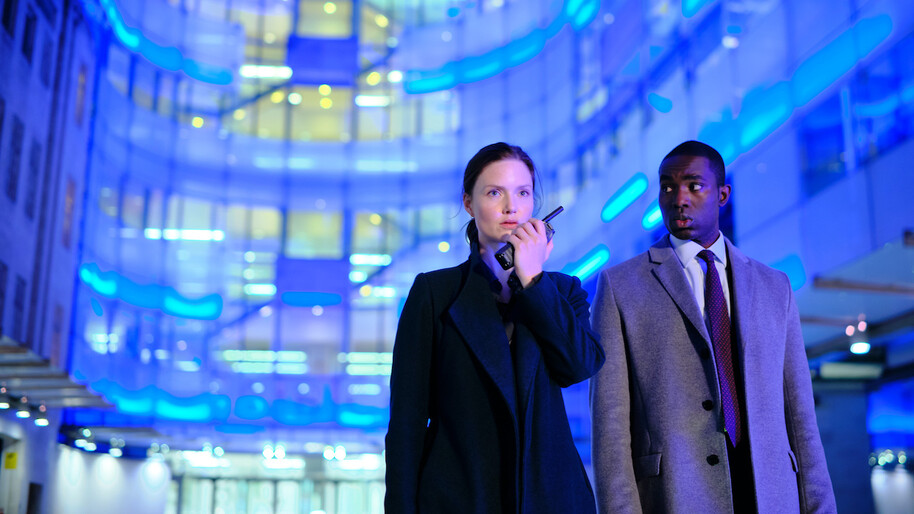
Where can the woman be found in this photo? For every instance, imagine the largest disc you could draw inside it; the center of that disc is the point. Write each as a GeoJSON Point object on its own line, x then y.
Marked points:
{"type": "Point", "coordinates": [477, 420]}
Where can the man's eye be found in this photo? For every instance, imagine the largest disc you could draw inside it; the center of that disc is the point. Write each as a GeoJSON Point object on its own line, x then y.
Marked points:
{"type": "Point", "coordinates": [695, 187]}
{"type": "Point", "coordinates": [666, 189]}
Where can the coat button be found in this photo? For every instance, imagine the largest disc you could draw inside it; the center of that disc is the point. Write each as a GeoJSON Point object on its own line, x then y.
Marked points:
{"type": "Point", "coordinates": [713, 459]}
{"type": "Point", "coordinates": [707, 404]}
{"type": "Point", "coordinates": [704, 353]}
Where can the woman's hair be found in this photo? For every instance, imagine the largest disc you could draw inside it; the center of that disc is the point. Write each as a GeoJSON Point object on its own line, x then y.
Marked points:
{"type": "Point", "coordinates": [484, 157]}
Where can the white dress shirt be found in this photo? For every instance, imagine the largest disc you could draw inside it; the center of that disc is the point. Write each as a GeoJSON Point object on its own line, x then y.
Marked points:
{"type": "Point", "coordinates": [695, 268]}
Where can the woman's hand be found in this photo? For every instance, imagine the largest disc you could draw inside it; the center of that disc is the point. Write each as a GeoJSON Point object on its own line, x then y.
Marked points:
{"type": "Point", "coordinates": [531, 249]}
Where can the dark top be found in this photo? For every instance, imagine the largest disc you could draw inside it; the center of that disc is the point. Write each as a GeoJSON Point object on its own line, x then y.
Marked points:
{"type": "Point", "coordinates": [471, 428]}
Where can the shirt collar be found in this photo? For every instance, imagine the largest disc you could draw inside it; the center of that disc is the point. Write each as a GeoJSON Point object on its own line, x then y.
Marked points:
{"type": "Point", "coordinates": [687, 250]}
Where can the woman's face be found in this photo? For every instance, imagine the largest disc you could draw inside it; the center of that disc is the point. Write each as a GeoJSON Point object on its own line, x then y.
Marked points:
{"type": "Point", "coordinates": [502, 199]}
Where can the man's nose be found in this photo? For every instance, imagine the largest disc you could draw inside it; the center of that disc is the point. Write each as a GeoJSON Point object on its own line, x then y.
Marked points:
{"type": "Point", "coordinates": [683, 198]}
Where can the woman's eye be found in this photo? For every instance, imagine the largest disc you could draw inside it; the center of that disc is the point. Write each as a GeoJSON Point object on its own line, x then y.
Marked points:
{"type": "Point", "coordinates": [493, 192]}
{"type": "Point", "coordinates": [525, 193]}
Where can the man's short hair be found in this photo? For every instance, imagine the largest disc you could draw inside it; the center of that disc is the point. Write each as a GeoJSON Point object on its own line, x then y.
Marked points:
{"type": "Point", "coordinates": [699, 149]}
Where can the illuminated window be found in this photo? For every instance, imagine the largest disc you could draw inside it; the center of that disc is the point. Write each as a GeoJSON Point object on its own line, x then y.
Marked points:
{"type": "Point", "coordinates": [69, 203]}
{"type": "Point", "coordinates": [314, 235]}
{"type": "Point", "coordinates": [57, 350]}
{"type": "Point", "coordinates": [317, 19]}
{"type": "Point", "coordinates": [117, 72]}
{"type": "Point", "coordinates": [80, 107]}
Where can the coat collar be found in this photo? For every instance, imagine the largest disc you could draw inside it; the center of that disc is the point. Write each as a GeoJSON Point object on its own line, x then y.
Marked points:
{"type": "Point", "coordinates": [476, 317]}
{"type": "Point", "coordinates": [668, 271]}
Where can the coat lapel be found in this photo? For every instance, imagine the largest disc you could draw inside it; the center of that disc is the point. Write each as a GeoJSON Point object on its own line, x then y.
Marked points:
{"type": "Point", "coordinates": [668, 271]}
{"type": "Point", "coordinates": [476, 317]}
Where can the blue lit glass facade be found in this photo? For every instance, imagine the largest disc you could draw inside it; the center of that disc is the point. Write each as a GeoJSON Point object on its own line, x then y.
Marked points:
{"type": "Point", "coordinates": [229, 200]}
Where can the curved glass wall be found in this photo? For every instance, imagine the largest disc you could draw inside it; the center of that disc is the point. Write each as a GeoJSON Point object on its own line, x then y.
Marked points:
{"type": "Point", "coordinates": [266, 178]}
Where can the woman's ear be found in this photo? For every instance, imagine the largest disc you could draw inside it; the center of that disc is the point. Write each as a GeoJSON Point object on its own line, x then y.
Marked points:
{"type": "Point", "coordinates": [467, 205]}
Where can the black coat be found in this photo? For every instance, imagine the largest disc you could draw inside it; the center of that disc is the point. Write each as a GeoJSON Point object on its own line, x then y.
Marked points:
{"type": "Point", "coordinates": [473, 430]}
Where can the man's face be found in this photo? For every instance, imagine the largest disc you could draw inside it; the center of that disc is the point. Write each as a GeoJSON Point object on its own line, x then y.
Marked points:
{"type": "Point", "coordinates": [691, 198]}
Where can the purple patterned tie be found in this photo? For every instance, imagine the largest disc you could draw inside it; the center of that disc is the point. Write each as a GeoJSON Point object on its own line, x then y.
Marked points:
{"type": "Point", "coordinates": [716, 306]}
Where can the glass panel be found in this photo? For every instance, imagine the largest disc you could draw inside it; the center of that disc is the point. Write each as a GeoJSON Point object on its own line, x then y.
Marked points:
{"type": "Point", "coordinates": [314, 235]}
{"type": "Point", "coordinates": [260, 497]}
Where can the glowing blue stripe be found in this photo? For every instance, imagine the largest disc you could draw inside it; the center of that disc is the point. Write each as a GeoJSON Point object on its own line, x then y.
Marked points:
{"type": "Point", "coordinates": [625, 196]}
{"type": "Point", "coordinates": [585, 15]}
{"type": "Point", "coordinates": [310, 299]}
{"type": "Point", "coordinates": [169, 58]}
{"type": "Point", "coordinates": [652, 217]}
{"type": "Point", "coordinates": [691, 7]}
{"type": "Point", "coordinates": [792, 265]}
{"type": "Point", "coordinates": [764, 110]}
{"type": "Point", "coordinates": [660, 103]}
{"type": "Point", "coordinates": [113, 285]}
{"type": "Point", "coordinates": [589, 264]}
{"type": "Point", "coordinates": [577, 13]}
{"type": "Point", "coordinates": [878, 109]}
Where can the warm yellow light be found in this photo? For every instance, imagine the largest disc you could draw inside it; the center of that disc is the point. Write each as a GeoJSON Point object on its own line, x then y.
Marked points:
{"type": "Point", "coordinates": [238, 114]}
{"type": "Point", "coordinates": [269, 38]}
{"type": "Point", "coordinates": [444, 246]}
{"type": "Point", "coordinates": [373, 78]}
{"type": "Point", "coordinates": [197, 122]}
{"type": "Point", "coordinates": [277, 96]}
{"type": "Point", "coordinates": [326, 103]}
{"type": "Point", "coordinates": [329, 7]}
{"type": "Point", "coordinates": [381, 20]}
{"type": "Point", "coordinates": [365, 290]}
{"type": "Point", "coordinates": [324, 89]}
{"type": "Point", "coordinates": [375, 219]}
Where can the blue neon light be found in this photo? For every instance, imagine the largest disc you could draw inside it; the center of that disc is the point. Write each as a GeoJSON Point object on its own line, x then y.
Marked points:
{"type": "Point", "coordinates": [660, 103]}
{"type": "Point", "coordinates": [577, 13]}
{"type": "Point", "coordinates": [625, 196]}
{"type": "Point", "coordinates": [652, 216]}
{"type": "Point", "coordinates": [589, 264]}
{"type": "Point", "coordinates": [152, 401]}
{"type": "Point", "coordinates": [111, 284]}
{"type": "Point", "coordinates": [96, 307]}
{"type": "Point", "coordinates": [691, 7]}
{"type": "Point", "coordinates": [765, 109]}
{"type": "Point", "coordinates": [792, 265]}
{"type": "Point", "coordinates": [307, 299]}
{"type": "Point", "coordinates": [251, 407]}
{"type": "Point", "coordinates": [169, 58]}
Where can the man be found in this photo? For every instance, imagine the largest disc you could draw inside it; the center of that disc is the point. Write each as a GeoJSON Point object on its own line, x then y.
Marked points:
{"type": "Point", "coordinates": [705, 402]}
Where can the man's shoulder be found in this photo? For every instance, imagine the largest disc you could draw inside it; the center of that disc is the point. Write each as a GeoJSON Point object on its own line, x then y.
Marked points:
{"type": "Point", "coordinates": [759, 269]}
{"type": "Point", "coordinates": [634, 269]}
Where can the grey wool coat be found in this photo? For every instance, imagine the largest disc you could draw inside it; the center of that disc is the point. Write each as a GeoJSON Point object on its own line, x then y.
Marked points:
{"type": "Point", "coordinates": [653, 437]}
